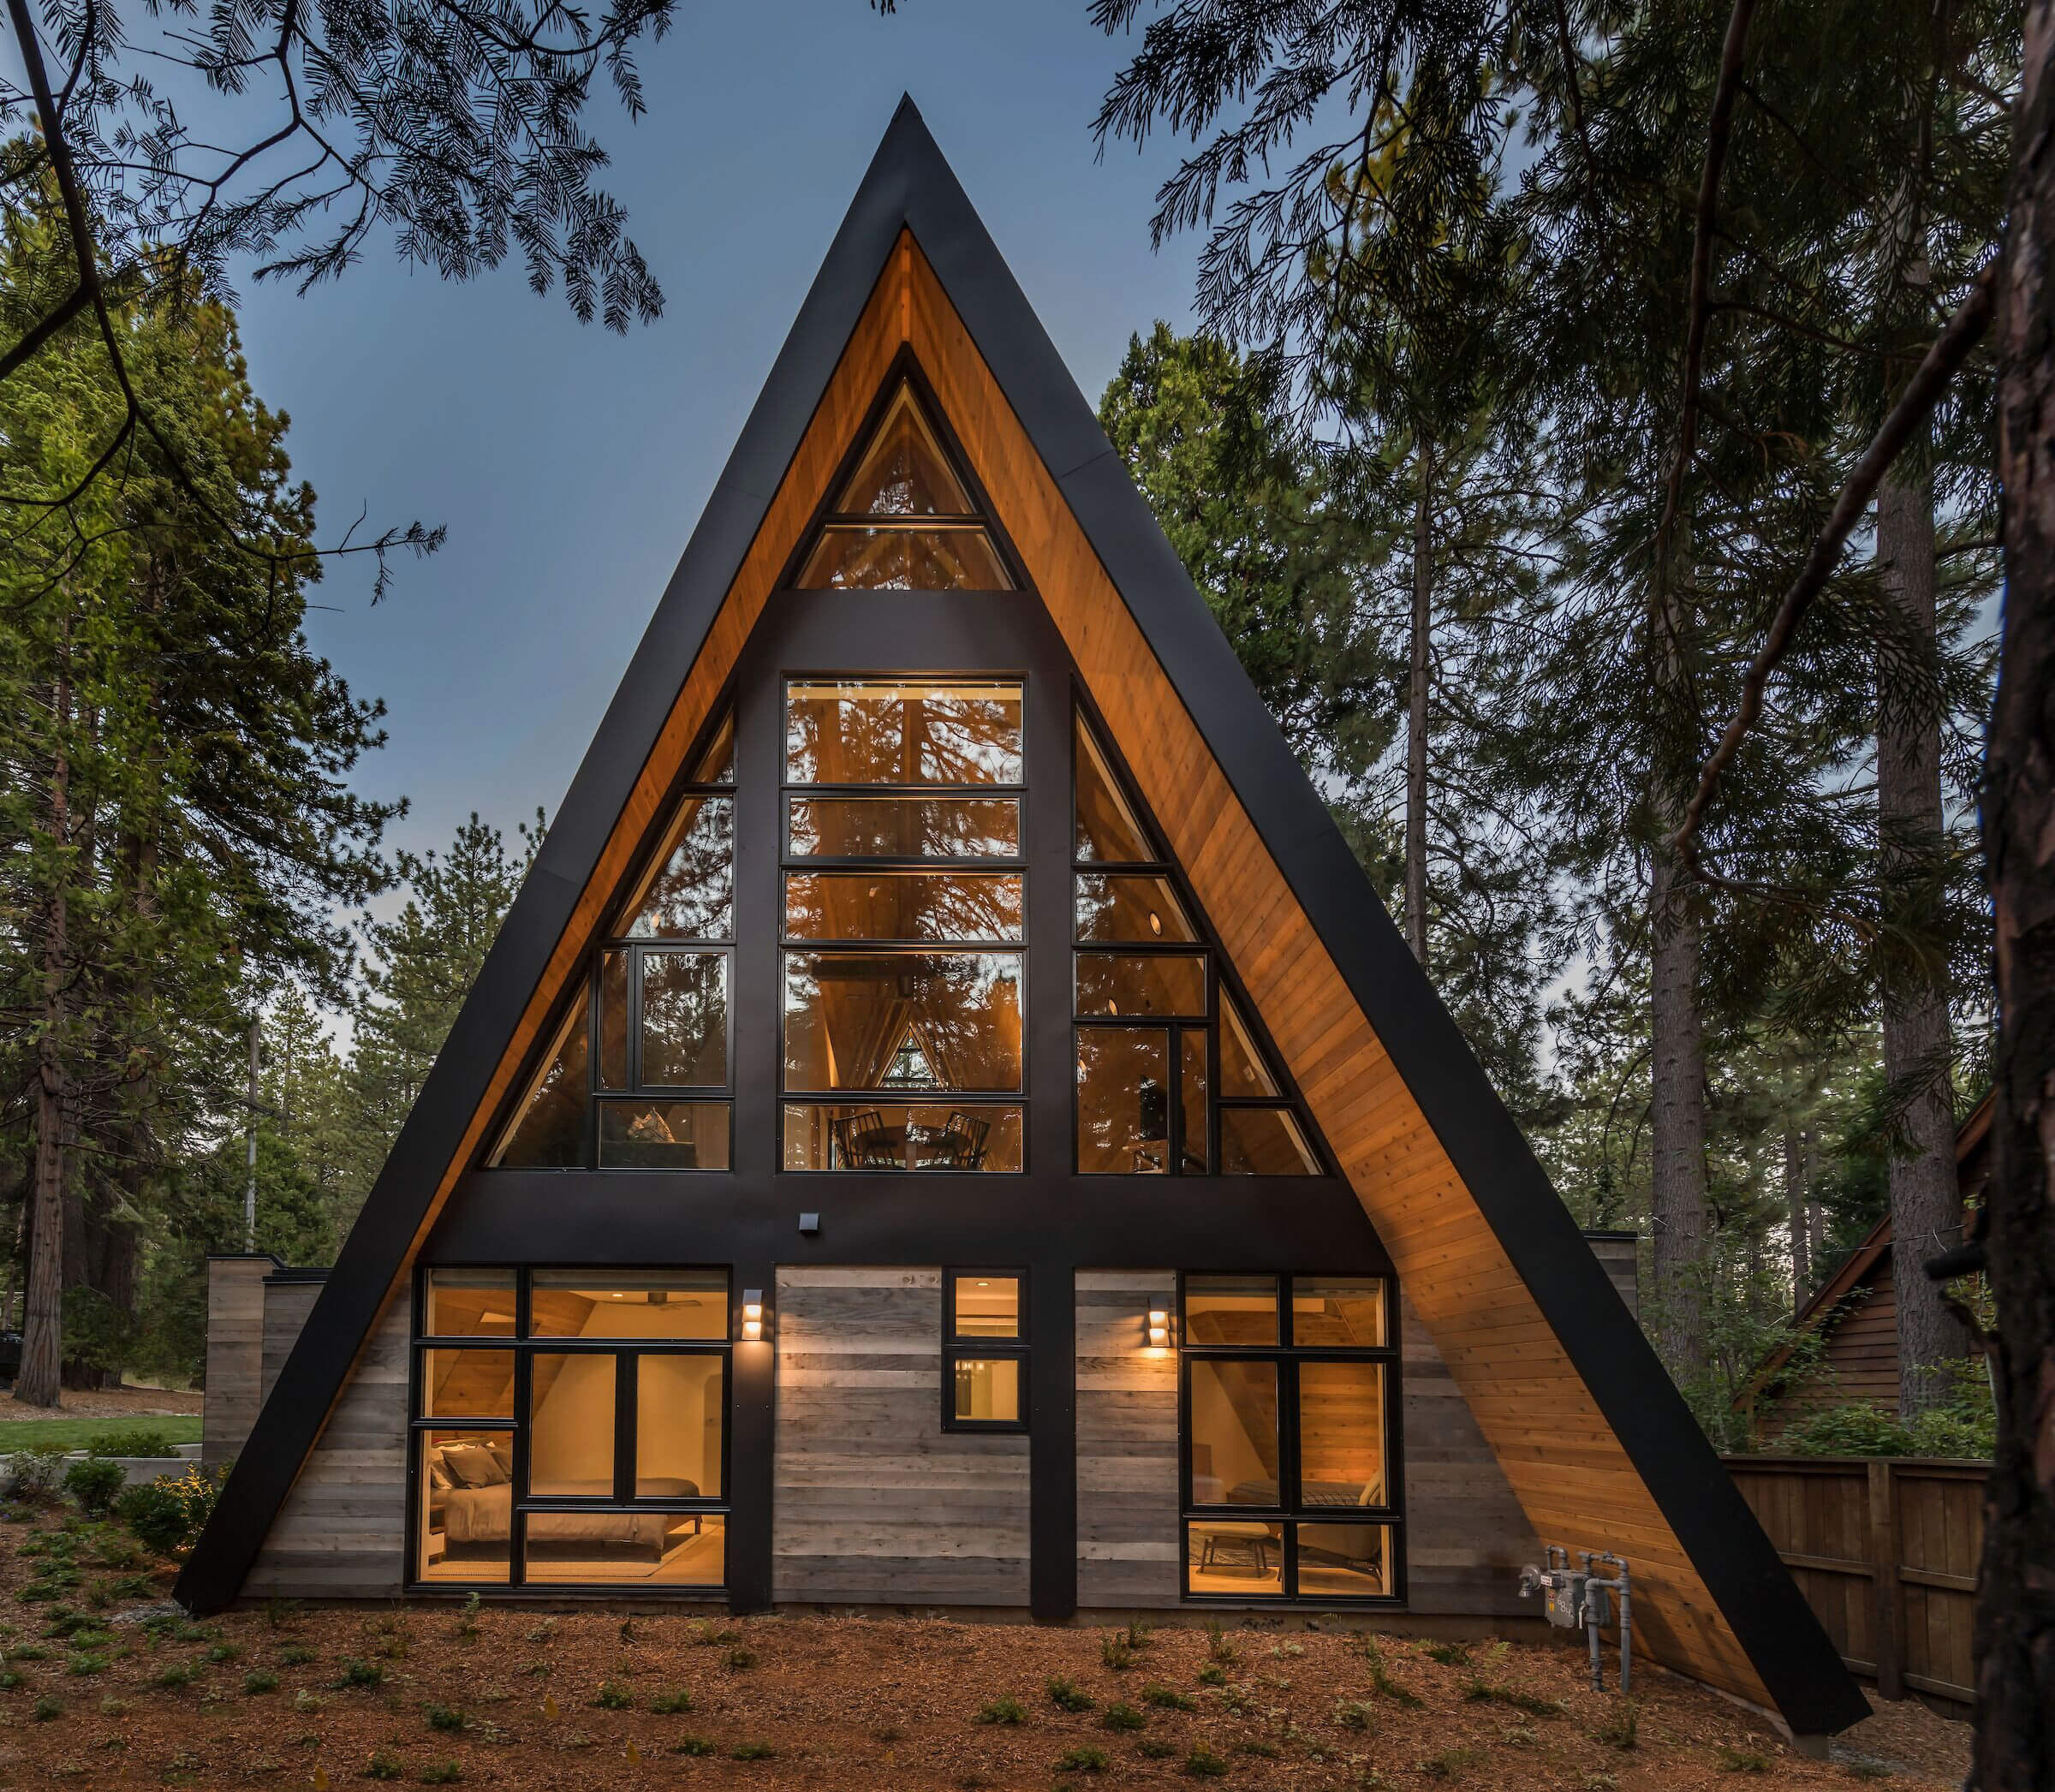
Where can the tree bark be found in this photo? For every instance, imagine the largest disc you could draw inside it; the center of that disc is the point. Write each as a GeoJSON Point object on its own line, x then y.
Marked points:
{"type": "Point", "coordinates": [1926, 1203]}
{"type": "Point", "coordinates": [38, 1381]}
{"type": "Point", "coordinates": [2015, 1638]}
{"type": "Point", "coordinates": [1796, 1185]}
{"type": "Point", "coordinates": [1416, 709]}
{"type": "Point", "coordinates": [1677, 1127]}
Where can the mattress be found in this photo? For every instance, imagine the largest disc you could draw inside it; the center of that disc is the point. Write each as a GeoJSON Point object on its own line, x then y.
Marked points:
{"type": "Point", "coordinates": [485, 1515]}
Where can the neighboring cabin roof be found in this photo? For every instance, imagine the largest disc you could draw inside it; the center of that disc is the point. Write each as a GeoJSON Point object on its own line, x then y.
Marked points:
{"type": "Point", "coordinates": [1591, 1434]}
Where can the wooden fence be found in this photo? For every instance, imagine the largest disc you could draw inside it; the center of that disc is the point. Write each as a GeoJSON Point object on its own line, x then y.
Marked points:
{"type": "Point", "coordinates": [1885, 1549]}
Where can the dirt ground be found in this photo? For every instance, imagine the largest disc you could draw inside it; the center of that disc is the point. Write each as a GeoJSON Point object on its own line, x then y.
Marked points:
{"type": "Point", "coordinates": [103, 1684]}
{"type": "Point", "coordinates": [123, 1402]}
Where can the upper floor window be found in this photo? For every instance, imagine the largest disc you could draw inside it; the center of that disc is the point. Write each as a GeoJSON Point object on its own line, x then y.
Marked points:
{"type": "Point", "coordinates": [904, 519]}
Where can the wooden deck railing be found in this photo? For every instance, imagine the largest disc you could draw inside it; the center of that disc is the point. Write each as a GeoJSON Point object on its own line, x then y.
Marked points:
{"type": "Point", "coordinates": [1885, 1549]}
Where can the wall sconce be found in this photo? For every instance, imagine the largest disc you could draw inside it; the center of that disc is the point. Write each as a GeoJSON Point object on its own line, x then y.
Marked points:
{"type": "Point", "coordinates": [1159, 1330]}
{"type": "Point", "coordinates": [752, 1315]}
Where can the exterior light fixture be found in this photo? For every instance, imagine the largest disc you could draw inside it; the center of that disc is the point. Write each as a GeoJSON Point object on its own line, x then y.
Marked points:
{"type": "Point", "coordinates": [752, 1315]}
{"type": "Point", "coordinates": [1159, 1330]}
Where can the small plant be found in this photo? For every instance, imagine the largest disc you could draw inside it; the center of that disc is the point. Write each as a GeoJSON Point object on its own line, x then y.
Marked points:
{"type": "Point", "coordinates": [82, 1665]}
{"type": "Point", "coordinates": [174, 1675]}
{"type": "Point", "coordinates": [1624, 1731]}
{"type": "Point", "coordinates": [1004, 1710]}
{"type": "Point", "coordinates": [1742, 1761]}
{"type": "Point", "coordinates": [1139, 1634]}
{"type": "Point", "coordinates": [1212, 1674]}
{"type": "Point", "coordinates": [134, 1440]}
{"type": "Point", "coordinates": [1169, 1699]}
{"type": "Point", "coordinates": [1123, 1717]}
{"type": "Point", "coordinates": [708, 1636]}
{"type": "Point", "coordinates": [614, 1697]}
{"type": "Point", "coordinates": [278, 1613]}
{"type": "Point", "coordinates": [306, 1704]}
{"type": "Point", "coordinates": [1449, 1655]}
{"type": "Point", "coordinates": [751, 1751]}
{"type": "Point", "coordinates": [1257, 1746]}
{"type": "Point", "coordinates": [888, 1734]}
{"type": "Point", "coordinates": [31, 1475]}
{"type": "Point", "coordinates": [258, 1681]}
{"type": "Point", "coordinates": [112, 1706]}
{"type": "Point", "coordinates": [543, 1632]}
{"type": "Point", "coordinates": [669, 1705]}
{"type": "Point", "coordinates": [1152, 1748]}
{"type": "Point", "coordinates": [1483, 1692]}
{"type": "Point", "coordinates": [1116, 1650]}
{"type": "Point", "coordinates": [1380, 1675]}
{"type": "Point", "coordinates": [1085, 1759]}
{"type": "Point", "coordinates": [47, 1708]}
{"type": "Point", "coordinates": [442, 1773]}
{"type": "Point", "coordinates": [1203, 1764]}
{"type": "Point", "coordinates": [740, 1657]}
{"type": "Point", "coordinates": [695, 1745]}
{"type": "Point", "coordinates": [1217, 1647]}
{"type": "Point", "coordinates": [1069, 1696]}
{"type": "Point", "coordinates": [1600, 1782]}
{"type": "Point", "coordinates": [297, 1655]}
{"type": "Point", "coordinates": [466, 1620]}
{"type": "Point", "coordinates": [224, 1652]}
{"type": "Point", "coordinates": [383, 1765]}
{"type": "Point", "coordinates": [442, 1717]}
{"type": "Point", "coordinates": [361, 1674]}
{"type": "Point", "coordinates": [1449, 1763]}
{"type": "Point", "coordinates": [1354, 1714]}
{"type": "Point", "coordinates": [155, 1515]}
{"type": "Point", "coordinates": [94, 1484]}
{"type": "Point", "coordinates": [1867, 1770]}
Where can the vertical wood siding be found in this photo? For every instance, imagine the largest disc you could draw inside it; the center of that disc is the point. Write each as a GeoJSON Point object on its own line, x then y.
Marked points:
{"type": "Point", "coordinates": [1127, 1443]}
{"type": "Point", "coordinates": [875, 1504]}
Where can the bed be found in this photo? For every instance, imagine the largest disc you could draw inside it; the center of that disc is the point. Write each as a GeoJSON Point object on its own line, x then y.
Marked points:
{"type": "Point", "coordinates": [1206, 1492]}
{"type": "Point", "coordinates": [471, 1498]}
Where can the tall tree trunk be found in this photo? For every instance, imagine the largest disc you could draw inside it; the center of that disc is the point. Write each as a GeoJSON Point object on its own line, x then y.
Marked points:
{"type": "Point", "coordinates": [1677, 1128]}
{"type": "Point", "coordinates": [1416, 708]}
{"type": "Point", "coordinates": [2015, 1640]}
{"type": "Point", "coordinates": [1796, 1186]}
{"type": "Point", "coordinates": [36, 1383]}
{"type": "Point", "coordinates": [1926, 1204]}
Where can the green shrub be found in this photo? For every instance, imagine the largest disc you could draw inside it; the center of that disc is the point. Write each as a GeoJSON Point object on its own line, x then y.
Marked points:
{"type": "Point", "coordinates": [82, 1665]}
{"type": "Point", "coordinates": [442, 1773]}
{"type": "Point", "coordinates": [95, 1485]}
{"type": "Point", "coordinates": [155, 1515]}
{"type": "Point", "coordinates": [1624, 1730]}
{"type": "Point", "coordinates": [668, 1704]}
{"type": "Point", "coordinates": [614, 1697]}
{"type": "Point", "coordinates": [695, 1745]}
{"type": "Point", "coordinates": [1742, 1761]}
{"type": "Point", "coordinates": [1449, 1655]}
{"type": "Point", "coordinates": [751, 1751]}
{"type": "Point", "coordinates": [1858, 1429]}
{"type": "Point", "coordinates": [297, 1655]}
{"type": "Point", "coordinates": [306, 1704]}
{"type": "Point", "coordinates": [362, 1674]}
{"type": "Point", "coordinates": [1082, 1759]}
{"type": "Point", "coordinates": [1153, 1749]}
{"type": "Point", "coordinates": [1169, 1699]}
{"type": "Point", "coordinates": [1069, 1696]}
{"type": "Point", "coordinates": [31, 1474]}
{"type": "Point", "coordinates": [224, 1652]}
{"type": "Point", "coordinates": [174, 1675]}
{"type": "Point", "coordinates": [742, 1657]}
{"type": "Point", "coordinates": [47, 1708]}
{"type": "Point", "coordinates": [1217, 1647]}
{"type": "Point", "coordinates": [134, 1440]}
{"type": "Point", "coordinates": [1212, 1674]}
{"type": "Point", "coordinates": [1203, 1764]}
{"type": "Point", "coordinates": [1004, 1710]}
{"type": "Point", "coordinates": [442, 1717]}
{"type": "Point", "coordinates": [383, 1765]}
{"type": "Point", "coordinates": [1354, 1714]}
{"type": "Point", "coordinates": [1123, 1717]}
{"type": "Point", "coordinates": [259, 1680]}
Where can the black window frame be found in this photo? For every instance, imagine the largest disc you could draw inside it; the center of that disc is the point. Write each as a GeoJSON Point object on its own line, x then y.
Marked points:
{"type": "Point", "coordinates": [526, 1345]}
{"type": "Point", "coordinates": [1292, 1516]}
{"type": "Point", "coordinates": [955, 1347]}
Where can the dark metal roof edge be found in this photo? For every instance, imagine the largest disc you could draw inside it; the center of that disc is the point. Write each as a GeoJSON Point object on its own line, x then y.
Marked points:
{"type": "Point", "coordinates": [291, 1419]}
{"type": "Point", "coordinates": [1756, 1593]}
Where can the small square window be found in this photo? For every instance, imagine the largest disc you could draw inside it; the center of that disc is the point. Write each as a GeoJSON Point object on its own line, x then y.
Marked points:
{"type": "Point", "coordinates": [988, 1307]}
{"type": "Point", "coordinates": [986, 1391]}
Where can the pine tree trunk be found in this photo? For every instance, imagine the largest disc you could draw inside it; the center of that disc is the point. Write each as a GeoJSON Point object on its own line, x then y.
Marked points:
{"type": "Point", "coordinates": [2015, 1640]}
{"type": "Point", "coordinates": [1417, 710]}
{"type": "Point", "coordinates": [1677, 1128]}
{"type": "Point", "coordinates": [38, 1381]}
{"type": "Point", "coordinates": [1796, 1184]}
{"type": "Point", "coordinates": [1926, 1204]}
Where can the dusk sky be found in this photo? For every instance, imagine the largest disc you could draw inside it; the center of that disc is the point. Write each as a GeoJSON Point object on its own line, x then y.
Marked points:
{"type": "Point", "coordinates": [570, 465]}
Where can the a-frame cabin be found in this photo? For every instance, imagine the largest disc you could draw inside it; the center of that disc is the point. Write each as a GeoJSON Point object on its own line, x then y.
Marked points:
{"type": "Point", "coordinates": [947, 1120]}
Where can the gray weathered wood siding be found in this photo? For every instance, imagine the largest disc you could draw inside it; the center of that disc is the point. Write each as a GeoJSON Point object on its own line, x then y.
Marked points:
{"type": "Point", "coordinates": [340, 1533]}
{"type": "Point", "coordinates": [875, 1504]}
{"type": "Point", "coordinates": [1127, 1443]}
{"type": "Point", "coordinates": [1466, 1538]}
{"type": "Point", "coordinates": [235, 1355]}
{"type": "Point", "coordinates": [288, 1300]}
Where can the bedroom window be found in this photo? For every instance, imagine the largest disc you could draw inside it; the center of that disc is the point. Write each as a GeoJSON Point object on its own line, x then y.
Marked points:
{"type": "Point", "coordinates": [570, 1427]}
{"type": "Point", "coordinates": [984, 1350]}
{"type": "Point", "coordinates": [1288, 1390]}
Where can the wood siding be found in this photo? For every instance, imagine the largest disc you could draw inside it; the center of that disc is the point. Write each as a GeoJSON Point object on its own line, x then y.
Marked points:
{"type": "Point", "coordinates": [341, 1533]}
{"type": "Point", "coordinates": [288, 1300]}
{"type": "Point", "coordinates": [875, 1504]}
{"type": "Point", "coordinates": [1127, 1443]}
{"type": "Point", "coordinates": [235, 1385]}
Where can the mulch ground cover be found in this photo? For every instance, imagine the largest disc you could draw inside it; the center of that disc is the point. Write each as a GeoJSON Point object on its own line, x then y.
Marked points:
{"type": "Point", "coordinates": [102, 1685]}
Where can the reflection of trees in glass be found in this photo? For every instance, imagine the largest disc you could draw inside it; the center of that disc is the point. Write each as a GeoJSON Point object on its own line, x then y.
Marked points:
{"type": "Point", "coordinates": [684, 1019]}
{"type": "Point", "coordinates": [848, 1013]}
{"type": "Point", "coordinates": [891, 733]}
{"type": "Point", "coordinates": [1123, 1102]}
{"type": "Point", "coordinates": [1129, 908]}
{"type": "Point", "coordinates": [549, 1134]}
{"type": "Point", "coordinates": [930, 827]}
{"type": "Point", "coordinates": [904, 905]}
{"type": "Point", "coordinates": [692, 896]}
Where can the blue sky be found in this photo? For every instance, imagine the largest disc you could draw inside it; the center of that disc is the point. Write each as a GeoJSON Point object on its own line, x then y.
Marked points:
{"type": "Point", "coordinates": [570, 465]}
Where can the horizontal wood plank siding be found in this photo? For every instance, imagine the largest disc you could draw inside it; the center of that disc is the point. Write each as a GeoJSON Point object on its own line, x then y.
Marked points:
{"type": "Point", "coordinates": [236, 1384]}
{"type": "Point", "coordinates": [286, 1306]}
{"type": "Point", "coordinates": [1127, 1443]}
{"type": "Point", "coordinates": [875, 1504]}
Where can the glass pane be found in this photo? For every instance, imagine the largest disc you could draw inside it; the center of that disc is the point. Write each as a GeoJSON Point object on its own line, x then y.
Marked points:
{"type": "Point", "coordinates": [1341, 1434]}
{"type": "Point", "coordinates": [855, 558]}
{"type": "Point", "coordinates": [1141, 984]}
{"type": "Point", "coordinates": [1264, 1142]}
{"type": "Point", "coordinates": [628, 1303]}
{"type": "Point", "coordinates": [664, 1136]}
{"type": "Point", "coordinates": [571, 1426]}
{"type": "Point", "coordinates": [1113, 908]}
{"type": "Point", "coordinates": [988, 1306]}
{"type": "Point", "coordinates": [905, 472]}
{"type": "Point", "coordinates": [612, 1548]}
{"type": "Point", "coordinates": [1234, 1432]}
{"type": "Point", "coordinates": [1335, 1310]}
{"type": "Point", "coordinates": [1106, 828]}
{"type": "Point", "coordinates": [988, 1389]}
{"type": "Point", "coordinates": [905, 827]}
{"type": "Point", "coordinates": [466, 1504]}
{"type": "Point", "coordinates": [469, 1303]}
{"type": "Point", "coordinates": [684, 1019]}
{"type": "Point", "coordinates": [613, 1020]}
{"type": "Point", "coordinates": [903, 1021]}
{"type": "Point", "coordinates": [904, 905]}
{"type": "Point", "coordinates": [1242, 1071]}
{"type": "Point", "coordinates": [548, 1133]}
{"type": "Point", "coordinates": [1192, 1159]}
{"type": "Point", "coordinates": [1238, 1558]}
{"type": "Point", "coordinates": [902, 1138]}
{"type": "Point", "coordinates": [681, 1402]}
{"type": "Point", "coordinates": [1344, 1562]}
{"type": "Point", "coordinates": [468, 1383]}
{"type": "Point", "coordinates": [902, 731]}
{"type": "Point", "coordinates": [1230, 1309]}
{"type": "Point", "coordinates": [690, 894]}
{"type": "Point", "coordinates": [1124, 1100]}
{"type": "Point", "coordinates": [717, 764]}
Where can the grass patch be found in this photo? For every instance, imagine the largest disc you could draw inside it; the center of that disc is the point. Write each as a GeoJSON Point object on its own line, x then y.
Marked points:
{"type": "Point", "coordinates": [361, 1674]}
{"type": "Point", "coordinates": [442, 1717]}
{"type": "Point", "coordinates": [1354, 1714]}
{"type": "Point", "coordinates": [1483, 1692]}
{"type": "Point", "coordinates": [442, 1773]}
{"type": "Point", "coordinates": [1449, 1655]}
{"type": "Point", "coordinates": [174, 1675]}
{"type": "Point", "coordinates": [224, 1652]}
{"type": "Point", "coordinates": [1152, 1748]}
{"type": "Point", "coordinates": [751, 1751]}
{"type": "Point", "coordinates": [1006, 1709]}
{"type": "Point", "coordinates": [1257, 1746]}
{"type": "Point", "coordinates": [612, 1696]}
{"type": "Point", "coordinates": [1067, 1695]}
{"type": "Point", "coordinates": [1083, 1759]}
{"type": "Point", "coordinates": [695, 1745]}
{"type": "Point", "coordinates": [1203, 1764]}
{"type": "Point", "coordinates": [1123, 1717]}
{"type": "Point", "coordinates": [1169, 1699]}
{"type": "Point", "coordinates": [69, 1434]}
{"type": "Point", "coordinates": [259, 1680]}
{"type": "Point", "coordinates": [669, 1704]}
{"type": "Point", "coordinates": [1742, 1761]}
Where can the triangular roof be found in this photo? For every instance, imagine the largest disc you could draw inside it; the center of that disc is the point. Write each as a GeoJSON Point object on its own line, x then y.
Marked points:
{"type": "Point", "coordinates": [1597, 1444]}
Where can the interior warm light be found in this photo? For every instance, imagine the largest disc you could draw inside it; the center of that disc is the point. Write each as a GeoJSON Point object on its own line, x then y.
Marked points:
{"type": "Point", "coordinates": [1155, 922]}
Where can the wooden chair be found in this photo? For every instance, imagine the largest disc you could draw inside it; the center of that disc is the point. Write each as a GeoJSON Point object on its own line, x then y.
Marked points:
{"type": "Point", "coordinates": [863, 1144]}
{"type": "Point", "coordinates": [962, 1139]}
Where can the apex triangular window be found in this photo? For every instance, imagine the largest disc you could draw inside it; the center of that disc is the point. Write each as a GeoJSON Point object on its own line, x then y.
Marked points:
{"type": "Point", "coordinates": [904, 519]}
